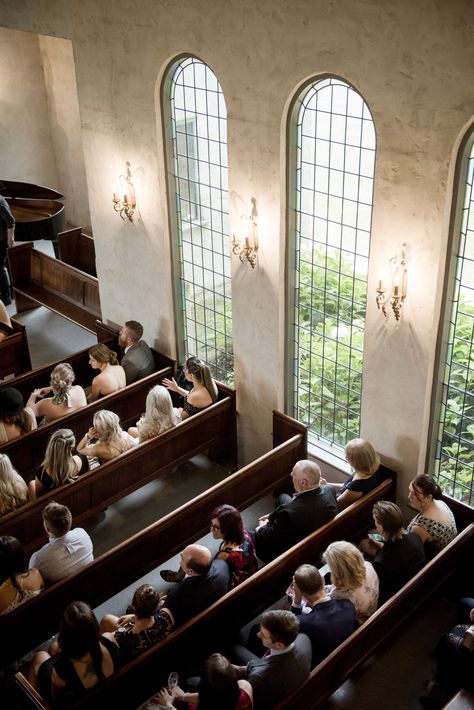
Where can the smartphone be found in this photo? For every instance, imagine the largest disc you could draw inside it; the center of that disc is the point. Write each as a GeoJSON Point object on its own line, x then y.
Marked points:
{"type": "Point", "coordinates": [377, 537]}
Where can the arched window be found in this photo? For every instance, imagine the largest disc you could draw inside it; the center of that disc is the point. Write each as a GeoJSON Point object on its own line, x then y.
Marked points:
{"type": "Point", "coordinates": [334, 148]}
{"type": "Point", "coordinates": [198, 164]}
{"type": "Point", "coordinates": [454, 433]}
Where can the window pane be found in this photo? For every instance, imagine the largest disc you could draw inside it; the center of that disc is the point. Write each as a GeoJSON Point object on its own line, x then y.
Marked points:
{"type": "Point", "coordinates": [335, 160]}
{"type": "Point", "coordinates": [199, 125]}
{"type": "Point", "coordinates": [454, 465]}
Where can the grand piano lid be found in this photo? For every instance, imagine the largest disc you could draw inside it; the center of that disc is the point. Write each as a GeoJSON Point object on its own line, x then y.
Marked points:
{"type": "Point", "coordinates": [12, 188]}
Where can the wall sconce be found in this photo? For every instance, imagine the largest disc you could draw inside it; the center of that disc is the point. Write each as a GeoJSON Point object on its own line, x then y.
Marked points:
{"type": "Point", "coordinates": [124, 201]}
{"type": "Point", "coordinates": [245, 245]}
{"type": "Point", "coordinates": [396, 294]}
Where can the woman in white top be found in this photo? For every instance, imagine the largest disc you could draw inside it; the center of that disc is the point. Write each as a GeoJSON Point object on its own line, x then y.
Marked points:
{"type": "Point", "coordinates": [105, 439]}
{"type": "Point", "coordinates": [352, 578]}
{"type": "Point", "coordinates": [112, 375]}
{"type": "Point", "coordinates": [66, 396]}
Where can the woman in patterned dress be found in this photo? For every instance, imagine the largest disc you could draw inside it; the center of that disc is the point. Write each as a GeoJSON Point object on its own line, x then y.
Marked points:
{"type": "Point", "coordinates": [434, 523]}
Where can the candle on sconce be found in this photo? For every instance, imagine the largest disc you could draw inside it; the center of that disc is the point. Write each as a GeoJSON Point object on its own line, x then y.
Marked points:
{"type": "Point", "coordinates": [114, 194]}
{"type": "Point", "coordinates": [125, 200]}
{"type": "Point", "coordinates": [246, 242]}
{"type": "Point", "coordinates": [396, 290]}
{"type": "Point", "coordinates": [381, 286]}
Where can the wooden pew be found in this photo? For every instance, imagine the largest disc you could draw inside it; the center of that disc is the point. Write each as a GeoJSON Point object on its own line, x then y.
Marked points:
{"type": "Point", "coordinates": [14, 352]}
{"type": "Point", "coordinates": [144, 551]}
{"type": "Point", "coordinates": [27, 452]}
{"type": "Point", "coordinates": [337, 667]}
{"type": "Point", "coordinates": [77, 249]}
{"type": "Point", "coordinates": [27, 379]}
{"type": "Point", "coordinates": [214, 428]}
{"type": "Point", "coordinates": [38, 279]}
{"type": "Point", "coordinates": [196, 639]}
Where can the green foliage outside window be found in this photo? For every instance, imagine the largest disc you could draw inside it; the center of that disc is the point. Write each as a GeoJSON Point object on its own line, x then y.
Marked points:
{"type": "Point", "coordinates": [330, 333]}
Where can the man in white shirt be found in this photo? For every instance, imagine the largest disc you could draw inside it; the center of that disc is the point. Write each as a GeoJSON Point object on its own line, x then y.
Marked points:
{"type": "Point", "coordinates": [67, 550]}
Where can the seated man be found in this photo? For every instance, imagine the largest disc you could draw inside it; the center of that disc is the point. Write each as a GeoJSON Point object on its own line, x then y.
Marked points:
{"type": "Point", "coordinates": [137, 360]}
{"type": "Point", "coordinates": [284, 666]}
{"type": "Point", "coordinates": [67, 550]}
{"type": "Point", "coordinates": [205, 582]}
{"type": "Point", "coordinates": [329, 622]}
{"type": "Point", "coordinates": [311, 506]}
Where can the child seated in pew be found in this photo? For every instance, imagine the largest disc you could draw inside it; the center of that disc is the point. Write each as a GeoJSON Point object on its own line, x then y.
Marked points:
{"type": "Point", "coordinates": [66, 397]}
{"type": "Point", "coordinates": [105, 440]}
{"type": "Point", "coordinates": [138, 631]}
{"type": "Point", "coordinates": [60, 465]}
{"type": "Point", "coordinates": [82, 659]}
{"type": "Point", "coordinates": [13, 489]}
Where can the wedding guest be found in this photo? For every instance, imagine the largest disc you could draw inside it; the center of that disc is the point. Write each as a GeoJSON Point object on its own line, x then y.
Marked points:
{"type": "Point", "coordinates": [66, 397]}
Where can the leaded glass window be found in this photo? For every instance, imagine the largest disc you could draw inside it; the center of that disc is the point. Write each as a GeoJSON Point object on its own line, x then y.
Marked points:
{"type": "Point", "coordinates": [199, 165]}
{"type": "Point", "coordinates": [454, 463]}
{"type": "Point", "coordinates": [335, 162]}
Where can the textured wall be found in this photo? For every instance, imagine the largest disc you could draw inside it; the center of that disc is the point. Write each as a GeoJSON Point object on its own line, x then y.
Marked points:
{"type": "Point", "coordinates": [413, 64]}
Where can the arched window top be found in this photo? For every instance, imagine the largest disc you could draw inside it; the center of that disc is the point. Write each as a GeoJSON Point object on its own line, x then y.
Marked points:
{"type": "Point", "coordinates": [197, 164]}
{"type": "Point", "coordinates": [332, 191]}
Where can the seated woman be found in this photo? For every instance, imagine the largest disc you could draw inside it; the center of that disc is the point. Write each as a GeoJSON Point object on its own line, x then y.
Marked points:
{"type": "Point", "coordinates": [236, 548]}
{"type": "Point", "coordinates": [83, 659]}
{"type": "Point", "coordinates": [135, 633]}
{"type": "Point", "coordinates": [365, 463]}
{"type": "Point", "coordinates": [218, 689]}
{"type": "Point", "coordinates": [112, 375]}
{"type": "Point", "coordinates": [352, 578]}
{"type": "Point", "coordinates": [13, 489]}
{"type": "Point", "coordinates": [5, 322]}
{"type": "Point", "coordinates": [105, 439]}
{"type": "Point", "coordinates": [15, 420]}
{"type": "Point", "coordinates": [159, 415]}
{"type": "Point", "coordinates": [60, 465]}
{"type": "Point", "coordinates": [66, 397]}
{"type": "Point", "coordinates": [204, 391]}
{"type": "Point", "coordinates": [400, 556]}
{"type": "Point", "coordinates": [434, 523]}
{"type": "Point", "coordinates": [16, 584]}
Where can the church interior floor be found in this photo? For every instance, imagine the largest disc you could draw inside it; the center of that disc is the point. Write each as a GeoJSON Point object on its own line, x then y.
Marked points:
{"type": "Point", "coordinates": [392, 679]}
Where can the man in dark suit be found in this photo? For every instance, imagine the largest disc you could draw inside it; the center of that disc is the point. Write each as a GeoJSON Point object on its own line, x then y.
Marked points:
{"type": "Point", "coordinates": [311, 506]}
{"type": "Point", "coordinates": [329, 622]}
{"type": "Point", "coordinates": [137, 360]}
{"type": "Point", "coordinates": [206, 581]}
{"type": "Point", "coordinates": [285, 665]}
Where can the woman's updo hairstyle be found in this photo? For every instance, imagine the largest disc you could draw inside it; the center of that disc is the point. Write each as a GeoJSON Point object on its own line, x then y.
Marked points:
{"type": "Point", "coordinates": [62, 378]}
{"type": "Point", "coordinates": [102, 353]}
{"type": "Point", "coordinates": [427, 486]}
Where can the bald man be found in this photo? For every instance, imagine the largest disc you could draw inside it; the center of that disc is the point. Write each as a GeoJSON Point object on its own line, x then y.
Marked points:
{"type": "Point", "coordinates": [311, 506]}
{"type": "Point", "coordinates": [206, 581]}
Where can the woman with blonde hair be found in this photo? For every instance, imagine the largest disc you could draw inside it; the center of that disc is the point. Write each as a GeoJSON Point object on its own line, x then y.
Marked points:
{"type": "Point", "coordinates": [352, 578]}
{"type": "Point", "coordinates": [365, 476]}
{"type": "Point", "coordinates": [15, 419]}
{"type": "Point", "coordinates": [112, 375]}
{"type": "Point", "coordinates": [105, 439]}
{"type": "Point", "coordinates": [66, 397]}
{"type": "Point", "coordinates": [159, 415]}
{"type": "Point", "coordinates": [13, 489]}
{"type": "Point", "coordinates": [204, 391]}
{"type": "Point", "coordinates": [60, 465]}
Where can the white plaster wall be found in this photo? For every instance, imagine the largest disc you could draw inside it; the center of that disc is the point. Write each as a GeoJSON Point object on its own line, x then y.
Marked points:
{"type": "Point", "coordinates": [413, 64]}
{"type": "Point", "coordinates": [65, 124]}
{"type": "Point", "coordinates": [26, 151]}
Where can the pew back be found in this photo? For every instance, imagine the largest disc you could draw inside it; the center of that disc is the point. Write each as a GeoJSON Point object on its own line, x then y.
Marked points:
{"type": "Point", "coordinates": [14, 352]}
{"type": "Point", "coordinates": [198, 637]}
{"type": "Point", "coordinates": [143, 552]}
{"type": "Point", "coordinates": [77, 249]}
{"type": "Point", "coordinates": [40, 279]}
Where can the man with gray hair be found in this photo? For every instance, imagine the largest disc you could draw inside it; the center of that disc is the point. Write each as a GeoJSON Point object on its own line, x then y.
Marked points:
{"type": "Point", "coordinates": [296, 516]}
